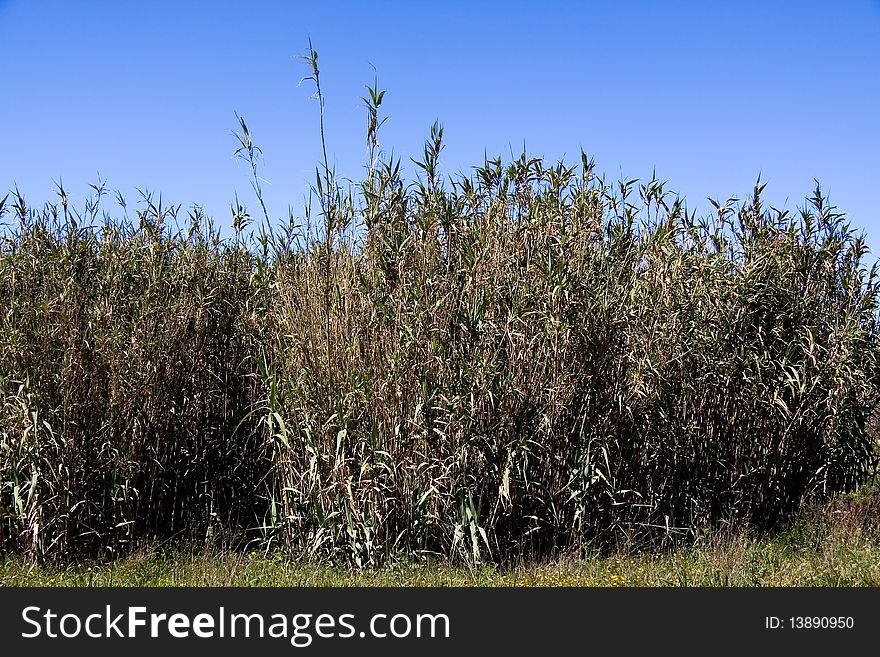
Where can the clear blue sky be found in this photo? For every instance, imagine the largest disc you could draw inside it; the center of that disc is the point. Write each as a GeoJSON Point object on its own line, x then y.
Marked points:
{"type": "Point", "coordinates": [710, 94]}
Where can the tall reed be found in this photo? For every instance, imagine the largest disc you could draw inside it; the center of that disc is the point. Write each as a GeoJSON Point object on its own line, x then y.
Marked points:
{"type": "Point", "coordinates": [502, 365]}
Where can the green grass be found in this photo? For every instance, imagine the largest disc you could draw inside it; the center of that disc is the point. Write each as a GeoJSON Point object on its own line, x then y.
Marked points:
{"type": "Point", "coordinates": [836, 561]}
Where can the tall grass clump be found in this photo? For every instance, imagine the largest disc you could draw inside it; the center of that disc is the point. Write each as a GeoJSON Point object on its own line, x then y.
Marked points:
{"type": "Point", "coordinates": [125, 369]}
{"type": "Point", "coordinates": [523, 362]}
{"type": "Point", "coordinates": [506, 364]}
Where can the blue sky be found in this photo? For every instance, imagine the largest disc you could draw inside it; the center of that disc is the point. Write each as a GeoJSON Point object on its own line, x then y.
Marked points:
{"type": "Point", "coordinates": [710, 94]}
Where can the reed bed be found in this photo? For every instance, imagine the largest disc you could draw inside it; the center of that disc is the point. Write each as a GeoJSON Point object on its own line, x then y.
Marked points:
{"type": "Point", "coordinates": [493, 366]}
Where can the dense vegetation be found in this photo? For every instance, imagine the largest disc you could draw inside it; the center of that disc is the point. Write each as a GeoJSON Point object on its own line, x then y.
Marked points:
{"type": "Point", "coordinates": [502, 365]}
{"type": "Point", "coordinates": [834, 544]}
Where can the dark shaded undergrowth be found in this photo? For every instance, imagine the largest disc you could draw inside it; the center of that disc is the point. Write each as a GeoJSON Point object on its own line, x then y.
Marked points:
{"type": "Point", "coordinates": [834, 544]}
